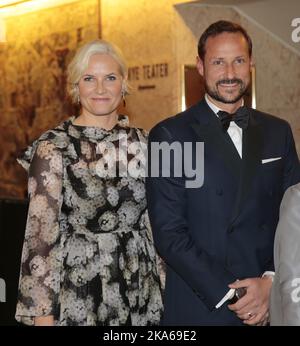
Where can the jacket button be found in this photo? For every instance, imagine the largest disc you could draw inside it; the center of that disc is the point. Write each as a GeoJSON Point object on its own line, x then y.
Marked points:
{"type": "Point", "coordinates": [219, 192]}
{"type": "Point", "coordinates": [264, 227]}
{"type": "Point", "coordinates": [230, 229]}
{"type": "Point", "coordinates": [198, 295]}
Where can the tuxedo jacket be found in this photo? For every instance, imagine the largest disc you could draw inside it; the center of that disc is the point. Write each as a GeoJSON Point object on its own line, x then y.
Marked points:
{"type": "Point", "coordinates": [285, 294]}
{"type": "Point", "coordinates": [212, 235]}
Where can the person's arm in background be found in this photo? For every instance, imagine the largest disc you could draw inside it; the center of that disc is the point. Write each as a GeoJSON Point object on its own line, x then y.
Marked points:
{"type": "Point", "coordinates": [291, 162]}
{"type": "Point", "coordinates": [287, 251]}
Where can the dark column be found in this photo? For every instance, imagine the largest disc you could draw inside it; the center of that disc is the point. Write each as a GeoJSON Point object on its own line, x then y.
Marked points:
{"type": "Point", "coordinates": [13, 215]}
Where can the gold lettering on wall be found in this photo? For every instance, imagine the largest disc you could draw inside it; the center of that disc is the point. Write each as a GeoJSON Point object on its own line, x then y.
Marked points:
{"type": "Point", "coordinates": [134, 73]}
{"type": "Point", "coordinates": [155, 71]}
{"type": "Point", "coordinates": [147, 72]}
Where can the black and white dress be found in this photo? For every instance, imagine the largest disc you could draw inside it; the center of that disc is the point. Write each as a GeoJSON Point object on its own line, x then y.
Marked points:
{"type": "Point", "coordinates": [88, 256]}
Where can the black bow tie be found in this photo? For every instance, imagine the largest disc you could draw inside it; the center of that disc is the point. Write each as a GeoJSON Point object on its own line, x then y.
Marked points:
{"type": "Point", "coordinates": [240, 117]}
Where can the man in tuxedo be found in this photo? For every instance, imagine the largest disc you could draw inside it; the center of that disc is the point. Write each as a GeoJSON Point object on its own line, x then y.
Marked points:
{"type": "Point", "coordinates": [217, 237]}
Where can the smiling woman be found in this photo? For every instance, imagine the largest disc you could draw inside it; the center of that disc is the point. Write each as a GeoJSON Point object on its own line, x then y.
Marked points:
{"type": "Point", "coordinates": [98, 81]}
{"type": "Point", "coordinates": [88, 256]}
{"type": "Point", "coordinates": [100, 90]}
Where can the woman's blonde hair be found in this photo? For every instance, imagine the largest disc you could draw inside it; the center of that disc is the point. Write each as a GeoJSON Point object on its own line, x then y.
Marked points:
{"type": "Point", "coordinates": [80, 63]}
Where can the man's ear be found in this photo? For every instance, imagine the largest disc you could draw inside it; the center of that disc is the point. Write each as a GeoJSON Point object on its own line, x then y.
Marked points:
{"type": "Point", "coordinates": [200, 65]}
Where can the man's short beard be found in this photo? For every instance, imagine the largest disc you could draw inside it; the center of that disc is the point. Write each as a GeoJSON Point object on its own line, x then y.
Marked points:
{"type": "Point", "coordinates": [216, 96]}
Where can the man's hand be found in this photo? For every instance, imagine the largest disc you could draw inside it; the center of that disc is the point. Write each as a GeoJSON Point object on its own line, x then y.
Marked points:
{"type": "Point", "coordinates": [253, 308]}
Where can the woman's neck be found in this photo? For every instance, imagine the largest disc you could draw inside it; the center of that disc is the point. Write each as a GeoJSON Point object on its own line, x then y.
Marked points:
{"type": "Point", "coordinates": [106, 122]}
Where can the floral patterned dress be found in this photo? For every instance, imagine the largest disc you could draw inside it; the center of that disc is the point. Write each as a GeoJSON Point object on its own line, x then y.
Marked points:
{"type": "Point", "coordinates": [88, 256]}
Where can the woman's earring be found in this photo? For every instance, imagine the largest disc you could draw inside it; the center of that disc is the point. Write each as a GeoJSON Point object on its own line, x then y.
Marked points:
{"type": "Point", "coordinates": [123, 97]}
{"type": "Point", "coordinates": [78, 99]}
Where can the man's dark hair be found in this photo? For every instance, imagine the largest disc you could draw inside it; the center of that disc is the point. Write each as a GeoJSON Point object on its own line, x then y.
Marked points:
{"type": "Point", "coordinates": [218, 28]}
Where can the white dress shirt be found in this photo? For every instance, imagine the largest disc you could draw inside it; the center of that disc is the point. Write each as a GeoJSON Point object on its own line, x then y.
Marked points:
{"type": "Point", "coordinates": [234, 131]}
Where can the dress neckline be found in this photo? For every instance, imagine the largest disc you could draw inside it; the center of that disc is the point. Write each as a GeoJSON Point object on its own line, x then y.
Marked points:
{"type": "Point", "coordinates": [122, 121]}
{"type": "Point", "coordinates": [94, 132]}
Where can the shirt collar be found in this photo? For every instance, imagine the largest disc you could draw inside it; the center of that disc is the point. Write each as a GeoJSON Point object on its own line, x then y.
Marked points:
{"type": "Point", "coordinates": [215, 108]}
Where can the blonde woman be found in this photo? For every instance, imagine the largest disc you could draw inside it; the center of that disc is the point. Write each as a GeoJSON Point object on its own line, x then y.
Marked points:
{"type": "Point", "coordinates": [88, 258]}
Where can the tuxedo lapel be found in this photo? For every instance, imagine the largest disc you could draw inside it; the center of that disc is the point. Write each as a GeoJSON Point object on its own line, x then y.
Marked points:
{"type": "Point", "coordinates": [208, 128]}
{"type": "Point", "coordinates": [252, 147]}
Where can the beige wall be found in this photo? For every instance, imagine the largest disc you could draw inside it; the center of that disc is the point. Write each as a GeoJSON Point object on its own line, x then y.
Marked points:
{"type": "Point", "coordinates": [146, 32]}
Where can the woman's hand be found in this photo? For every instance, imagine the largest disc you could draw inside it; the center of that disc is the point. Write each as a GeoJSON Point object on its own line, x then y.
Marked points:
{"type": "Point", "coordinates": [44, 321]}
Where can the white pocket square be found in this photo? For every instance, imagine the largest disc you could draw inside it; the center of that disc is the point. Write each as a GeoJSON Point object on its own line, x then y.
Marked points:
{"type": "Point", "coordinates": [270, 160]}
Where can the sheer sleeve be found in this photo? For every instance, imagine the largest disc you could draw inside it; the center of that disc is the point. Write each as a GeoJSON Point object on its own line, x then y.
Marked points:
{"type": "Point", "coordinates": [41, 262]}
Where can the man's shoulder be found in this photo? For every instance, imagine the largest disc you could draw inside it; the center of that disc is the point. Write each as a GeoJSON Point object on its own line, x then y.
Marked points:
{"type": "Point", "coordinates": [269, 119]}
{"type": "Point", "coordinates": [172, 121]}
{"type": "Point", "coordinates": [179, 121]}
